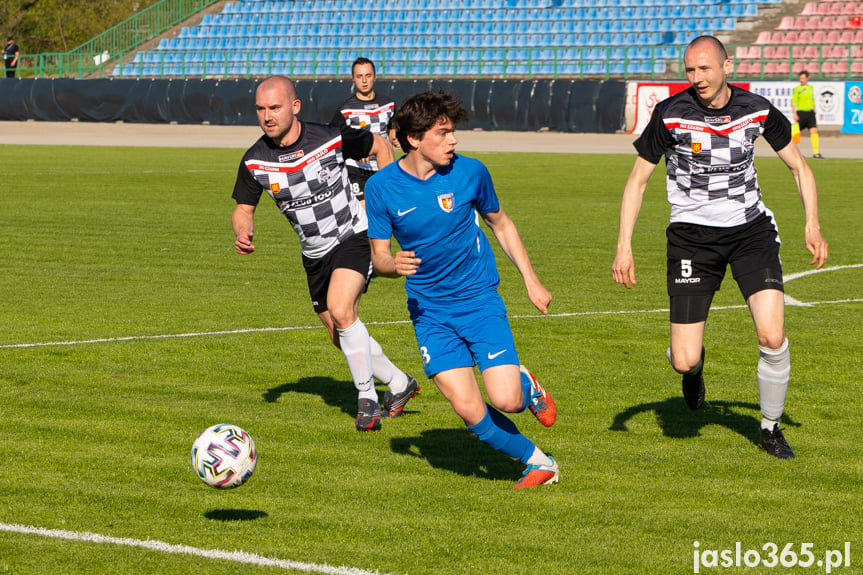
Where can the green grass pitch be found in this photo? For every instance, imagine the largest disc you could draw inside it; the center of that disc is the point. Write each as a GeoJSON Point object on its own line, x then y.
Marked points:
{"type": "Point", "coordinates": [129, 325]}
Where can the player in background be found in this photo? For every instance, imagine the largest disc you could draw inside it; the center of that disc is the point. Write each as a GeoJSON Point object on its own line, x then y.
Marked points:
{"type": "Point", "coordinates": [803, 109]}
{"type": "Point", "coordinates": [365, 110]}
{"type": "Point", "coordinates": [301, 166]}
{"type": "Point", "coordinates": [429, 201]}
{"type": "Point", "coordinates": [707, 134]}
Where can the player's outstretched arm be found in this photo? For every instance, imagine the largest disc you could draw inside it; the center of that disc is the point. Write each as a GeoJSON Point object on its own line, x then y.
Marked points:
{"type": "Point", "coordinates": [510, 241]}
{"type": "Point", "coordinates": [382, 150]}
{"type": "Point", "coordinates": [243, 222]}
{"type": "Point", "coordinates": [404, 263]}
{"type": "Point", "coordinates": [807, 189]}
{"type": "Point", "coordinates": [623, 268]}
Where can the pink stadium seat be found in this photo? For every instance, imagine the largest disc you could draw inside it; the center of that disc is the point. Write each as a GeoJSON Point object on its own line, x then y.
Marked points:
{"type": "Point", "coordinates": [811, 67]}
{"type": "Point", "coordinates": [741, 52]}
{"type": "Point", "coordinates": [841, 22]}
{"type": "Point", "coordinates": [787, 23]}
{"type": "Point", "coordinates": [857, 52]}
{"type": "Point", "coordinates": [833, 37]}
{"type": "Point", "coordinates": [818, 37]}
{"type": "Point", "coordinates": [840, 52]}
{"type": "Point", "coordinates": [826, 23]}
{"type": "Point", "coordinates": [742, 68]}
{"type": "Point", "coordinates": [754, 53]}
{"type": "Point", "coordinates": [857, 68]}
{"type": "Point", "coordinates": [771, 69]}
{"type": "Point", "coordinates": [812, 23]}
{"type": "Point", "coordinates": [782, 53]}
{"type": "Point", "coordinates": [811, 52]}
{"type": "Point", "coordinates": [847, 37]}
{"type": "Point", "coordinates": [763, 37]}
{"type": "Point", "coordinates": [858, 37]}
{"type": "Point", "coordinates": [852, 8]}
{"type": "Point", "coordinates": [791, 37]}
{"type": "Point", "coordinates": [770, 52]}
{"type": "Point", "coordinates": [837, 8]}
{"type": "Point", "coordinates": [810, 9]}
{"type": "Point", "coordinates": [797, 52]}
{"type": "Point", "coordinates": [804, 38]}
{"type": "Point", "coordinates": [777, 37]}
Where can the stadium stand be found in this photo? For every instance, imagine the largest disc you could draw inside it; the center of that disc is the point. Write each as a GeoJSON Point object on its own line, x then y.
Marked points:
{"type": "Point", "coordinates": [497, 38]}
{"type": "Point", "coordinates": [825, 39]}
{"type": "Point", "coordinates": [438, 37]}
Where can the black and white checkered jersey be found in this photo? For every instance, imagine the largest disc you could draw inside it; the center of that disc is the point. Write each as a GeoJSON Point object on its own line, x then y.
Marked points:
{"type": "Point", "coordinates": [373, 115]}
{"type": "Point", "coordinates": [309, 182]}
{"type": "Point", "coordinates": [710, 174]}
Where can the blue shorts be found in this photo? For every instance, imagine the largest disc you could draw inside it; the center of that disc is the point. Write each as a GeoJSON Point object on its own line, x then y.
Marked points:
{"type": "Point", "coordinates": [463, 335]}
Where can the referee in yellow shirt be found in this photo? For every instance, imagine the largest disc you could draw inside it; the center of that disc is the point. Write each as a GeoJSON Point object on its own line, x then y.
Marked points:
{"type": "Point", "coordinates": [803, 109]}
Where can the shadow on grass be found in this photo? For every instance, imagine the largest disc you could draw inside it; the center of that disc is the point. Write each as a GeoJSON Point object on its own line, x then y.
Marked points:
{"type": "Point", "coordinates": [459, 451]}
{"type": "Point", "coordinates": [340, 394]}
{"type": "Point", "coordinates": [678, 421]}
{"type": "Point", "coordinates": [234, 514]}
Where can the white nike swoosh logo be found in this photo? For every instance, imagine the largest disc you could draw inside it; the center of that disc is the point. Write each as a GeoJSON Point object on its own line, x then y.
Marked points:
{"type": "Point", "coordinates": [494, 355]}
{"type": "Point", "coordinates": [404, 213]}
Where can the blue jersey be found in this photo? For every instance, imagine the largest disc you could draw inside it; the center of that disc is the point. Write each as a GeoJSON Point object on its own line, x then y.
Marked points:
{"type": "Point", "coordinates": [437, 220]}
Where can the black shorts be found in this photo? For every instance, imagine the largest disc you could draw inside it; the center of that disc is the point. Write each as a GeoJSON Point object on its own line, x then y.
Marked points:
{"type": "Point", "coordinates": [806, 119]}
{"type": "Point", "coordinates": [699, 255]}
{"type": "Point", "coordinates": [358, 178]}
{"type": "Point", "coordinates": [353, 254]}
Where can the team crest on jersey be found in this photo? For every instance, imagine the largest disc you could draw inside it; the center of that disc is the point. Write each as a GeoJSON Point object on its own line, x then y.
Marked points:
{"type": "Point", "coordinates": [292, 156]}
{"type": "Point", "coordinates": [696, 147]}
{"type": "Point", "coordinates": [446, 202]}
{"type": "Point", "coordinates": [324, 176]}
{"type": "Point", "coordinates": [275, 188]}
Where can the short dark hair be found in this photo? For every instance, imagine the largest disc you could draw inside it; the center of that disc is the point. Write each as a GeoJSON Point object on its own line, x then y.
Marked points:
{"type": "Point", "coordinates": [723, 53]}
{"type": "Point", "coordinates": [419, 114]}
{"type": "Point", "coordinates": [803, 73]}
{"type": "Point", "coordinates": [360, 61]}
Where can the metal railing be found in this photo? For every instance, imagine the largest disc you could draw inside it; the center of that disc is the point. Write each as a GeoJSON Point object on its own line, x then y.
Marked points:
{"type": "Point", "coordinates": [654, 63]}
{"type": "Point", "coordinates": [101, 51]}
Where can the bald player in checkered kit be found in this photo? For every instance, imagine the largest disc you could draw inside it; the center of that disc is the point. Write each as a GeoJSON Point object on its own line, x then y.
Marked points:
{"type": "Point", "coordinates": [301, 166]}
{"type": "Point", "coordinates": [707, 135]}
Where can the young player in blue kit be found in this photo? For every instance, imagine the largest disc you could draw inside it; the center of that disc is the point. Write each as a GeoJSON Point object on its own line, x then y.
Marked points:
{"type": "Point", "coordinates": [429, 202]}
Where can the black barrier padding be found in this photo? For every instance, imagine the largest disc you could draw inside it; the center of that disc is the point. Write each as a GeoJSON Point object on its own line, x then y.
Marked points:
{"type": "Point", "coordinates": [480, 107]}
{"type": "Point", "coordinates": [611, 111]}
{"type": "Point", "coordinates": [582, 106]}
{"type": "Point", "coordinates": [538, 109]}
{"type": "Point", "coordinates": [558, 105]}
{"type": "Point", "coordinates": [15, 104]}
{"type": "Point", "coordinates": [517, 105]}
{"type": "Point", "coordinates": [324, 99]}
{"type": "Point", "coordinates": [43, 102]}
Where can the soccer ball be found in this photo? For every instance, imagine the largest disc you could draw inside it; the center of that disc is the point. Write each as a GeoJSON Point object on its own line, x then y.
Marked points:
{"type": "Point", "coordinates": [224, 456]}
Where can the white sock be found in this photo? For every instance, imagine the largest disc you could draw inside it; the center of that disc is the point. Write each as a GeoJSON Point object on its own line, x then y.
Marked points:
{"type": "Point", "coordinates": [356, 346]}
{"type": "Point", "coordinates": [768, 423]}
{"type": "Point", "coordinates": [774, 371]}
{"type": "Point", "coordinates": [385, 370]}
{"type": "Point", "coordinates": [539, 458]}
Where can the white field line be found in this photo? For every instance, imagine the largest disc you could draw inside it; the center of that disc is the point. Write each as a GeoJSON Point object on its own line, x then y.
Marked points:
{"type": "Point", "coordinates": [162, 547]}
{"type": "Point", "coordinates": [788, 300]}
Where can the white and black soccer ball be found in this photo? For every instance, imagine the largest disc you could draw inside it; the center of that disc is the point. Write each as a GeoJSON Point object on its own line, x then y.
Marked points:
{"type": "Point", "coordinates": [224, 456]}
